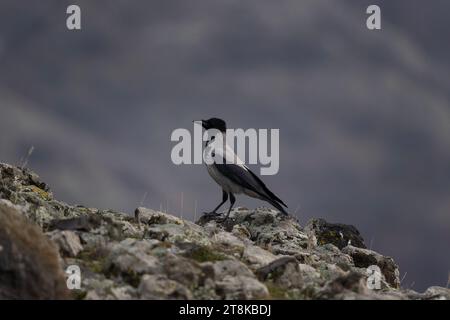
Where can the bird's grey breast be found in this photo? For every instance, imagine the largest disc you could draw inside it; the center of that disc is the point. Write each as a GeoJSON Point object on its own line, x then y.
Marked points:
{"type": "Point", "coordinates": [223, 181]}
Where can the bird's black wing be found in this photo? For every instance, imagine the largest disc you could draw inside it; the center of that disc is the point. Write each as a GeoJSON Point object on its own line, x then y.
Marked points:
{"type": "Point", "coordinates": [270, 193]}
{"type": "Point", "coordinates": [244, 177]}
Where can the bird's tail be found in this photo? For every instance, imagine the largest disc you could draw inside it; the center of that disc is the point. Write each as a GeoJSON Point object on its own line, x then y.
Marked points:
{"type": "Point", "coordinates": [278, 206]}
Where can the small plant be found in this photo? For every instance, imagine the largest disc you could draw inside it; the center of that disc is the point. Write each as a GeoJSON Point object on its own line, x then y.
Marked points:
{"type": "Point", "coordinates": [203, 254]}
{"type": "Point", "coordinates": [24, 160]}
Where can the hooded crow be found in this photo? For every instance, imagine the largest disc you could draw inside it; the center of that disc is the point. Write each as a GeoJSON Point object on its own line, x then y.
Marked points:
{"type": "Point", "coordinates": [232, 174]}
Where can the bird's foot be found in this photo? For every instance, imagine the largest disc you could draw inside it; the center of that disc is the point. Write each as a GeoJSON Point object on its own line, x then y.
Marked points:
{"type": "Point", "coordinates": [210, 214]}
{"type": "Point", "coordinates": [224, 219]}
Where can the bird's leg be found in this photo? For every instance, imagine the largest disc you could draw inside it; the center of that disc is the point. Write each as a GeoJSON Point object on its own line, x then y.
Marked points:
{"type": "Point", "coordinates": [224, 199]}
{"type": "Point", "coordinates": [232, 201]}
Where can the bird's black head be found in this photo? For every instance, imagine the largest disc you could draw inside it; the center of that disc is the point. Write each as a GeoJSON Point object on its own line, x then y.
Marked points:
{"type": "Point", "coordinates": [214, 123]}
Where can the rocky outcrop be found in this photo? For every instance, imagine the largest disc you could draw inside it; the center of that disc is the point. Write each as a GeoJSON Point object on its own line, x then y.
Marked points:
{"type": "Point", "coordinates": [29, 261]}
{"type": "Point", "coordinates": [255, 254]}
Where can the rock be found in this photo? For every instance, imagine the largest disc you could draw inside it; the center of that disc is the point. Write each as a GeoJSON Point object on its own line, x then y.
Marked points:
{"type": "Point", "coordinates": [186, 232]}
{"type": "Point", "coordinates": [231, 268]}
{"type": "Point", "coordinates": [131, 258]}
{"type": "Point", "coordinates": [348, 286]}
{"type": "Point", "coordinates": [159, 287]}
{"type": "Point", "coordinates": [123, 293]}
{"type": "Point", "coordinates": [83, 223]}
{"type": "Point", "coordinates": [437, 293]}
{"type": "Point", "coordinates": [149, 216]}
{"type": "Point", "coordinates": [241, 232]}
{"type": "Point", "coordinates": [257, 257]}
{"type": "Point", "coordinates": [183, 270]}
{"type": "Point", "coordinates": [264, 272]}
{"type": "Point", "coordinates": [29, 262]}
{"type": "Point", "coordinates": [364, 258]}
{"type": "Point", "coordinates": [241, 287]}
{"type": "Point", "coordinates": [92, 240]}
{"type": "Point", "coordinates": [100, 288]}
{"type": "Point", "coordinates": [330, 254]}
{"type": "Point", "coordinates": [68, 242]}
{"type": "Point", "coordinates": [228, 241]}
{"type": "Point", "coordinates": [286, 273]}
{"type": "Point", "coordinates": [24, 188]}
{"type": "Point", "coordinates": [200, 253]}
{"type": "Point", "coordinates": [329, 271]}
{"type": "Point", "coordinates": [129, 230]}
{"type": "Point", "coordinates": [18, 178]}
{"type": "Point", "coordinates": [337, 234]}
{"type": "Point", "coordinates": [265, 227]}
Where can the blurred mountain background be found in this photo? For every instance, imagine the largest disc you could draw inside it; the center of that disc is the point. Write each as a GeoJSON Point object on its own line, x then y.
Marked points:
{"type": "Point", "coordinates": [364, 116]}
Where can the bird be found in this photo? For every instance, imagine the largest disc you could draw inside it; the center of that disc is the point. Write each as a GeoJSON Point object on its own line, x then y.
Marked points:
{"type": "Point", "coordinates": [231, 174]}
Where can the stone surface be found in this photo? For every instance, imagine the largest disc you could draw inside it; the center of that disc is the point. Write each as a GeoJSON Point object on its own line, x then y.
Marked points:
{"type": "Point", "coordinates": [438, 293]}
{"type": "Point", "coordinates": [257, 257]}
{"type": "Point", "coordinates": [160, 287]}
{"type": "Point", "coordinates": [364, 258]}
{"type": "Point", "coordinates": [337, 234]}
{"type": "Point", "coordinates": [29, 262]}
{"type": "Point", "coordinates": [68, 242]}
{"type": "Point", "coordinates": [230, 268]}
{"type": "Point", "coordinates": [147, 254]}
{"type": "Point", "coordinates": [241, 287]}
